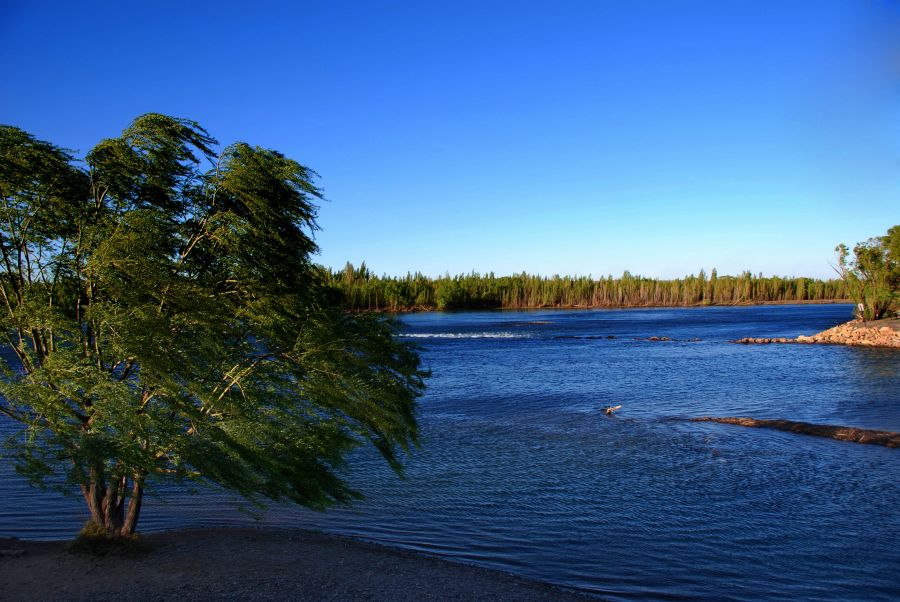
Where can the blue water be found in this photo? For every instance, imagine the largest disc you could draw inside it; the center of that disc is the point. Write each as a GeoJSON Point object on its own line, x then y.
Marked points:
{"type": "Point", "coordinates": [519, 471]}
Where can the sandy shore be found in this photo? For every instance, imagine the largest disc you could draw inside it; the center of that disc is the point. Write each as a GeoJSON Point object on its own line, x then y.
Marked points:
{"type": "Point", "coordinates": [253, 564]}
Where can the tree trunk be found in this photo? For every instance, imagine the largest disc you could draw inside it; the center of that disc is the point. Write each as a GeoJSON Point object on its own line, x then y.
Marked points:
{"type": "Point", "coordinates": [94, 491]}
{"type": "Point", "coordinates": [114, 505]}
{"type": "Point", "coordinates": [134, 506]}
{"type": "Point", "coordinates": [106, 504]}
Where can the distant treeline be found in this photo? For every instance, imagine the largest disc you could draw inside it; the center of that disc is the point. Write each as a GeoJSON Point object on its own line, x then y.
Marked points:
{"type": "Point", "coordinates": [360, 289]}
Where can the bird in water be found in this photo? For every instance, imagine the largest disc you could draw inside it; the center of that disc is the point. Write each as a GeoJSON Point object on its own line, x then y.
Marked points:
{"type": "Point", "coordinates": [608, 410]}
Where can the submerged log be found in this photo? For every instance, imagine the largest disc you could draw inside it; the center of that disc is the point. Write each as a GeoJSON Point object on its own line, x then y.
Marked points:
{"type": "Point", "coordinates": [841, 433]}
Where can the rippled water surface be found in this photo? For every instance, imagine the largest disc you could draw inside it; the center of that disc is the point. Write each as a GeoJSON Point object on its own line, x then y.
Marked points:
{"type": "Point", "coordinates": [519, 470]}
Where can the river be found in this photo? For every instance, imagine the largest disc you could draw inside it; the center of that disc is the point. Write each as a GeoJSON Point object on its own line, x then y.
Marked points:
{"type": "Point", "coordinates": [521, 471]}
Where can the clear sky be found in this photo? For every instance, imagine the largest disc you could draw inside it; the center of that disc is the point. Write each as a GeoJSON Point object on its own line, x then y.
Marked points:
{"type": "Point", "coordinates": [550, 137]}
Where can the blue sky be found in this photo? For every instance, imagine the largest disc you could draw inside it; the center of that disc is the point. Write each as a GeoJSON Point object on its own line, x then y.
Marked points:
{"type": "Point", "coordinates": [550, 137]}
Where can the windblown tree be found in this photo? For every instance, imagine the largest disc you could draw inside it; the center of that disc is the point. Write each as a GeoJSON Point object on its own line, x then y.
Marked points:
{"type": "Point", "coordinates": [162, 318]}
{"type": "Point", "coordinates": [873, 273]}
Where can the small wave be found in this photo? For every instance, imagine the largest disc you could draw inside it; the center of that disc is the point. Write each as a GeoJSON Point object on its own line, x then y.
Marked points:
{"type": "Point", "coordinates": [465, 335]}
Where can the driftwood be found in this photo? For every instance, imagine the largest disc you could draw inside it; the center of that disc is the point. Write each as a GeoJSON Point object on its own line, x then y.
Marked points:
{"type": "Point", "coordinates": [841, 433]}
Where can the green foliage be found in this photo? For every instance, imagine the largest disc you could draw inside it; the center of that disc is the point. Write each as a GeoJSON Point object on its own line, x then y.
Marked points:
{"type": "Point", "coordinates": [166, 321]}
{"type": "Point", "coordinates": [873, 273]}
{"type": "Point", "coordinates": [362, 290]}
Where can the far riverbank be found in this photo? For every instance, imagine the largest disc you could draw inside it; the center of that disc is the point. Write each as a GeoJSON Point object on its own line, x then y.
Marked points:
{"type": "Point", "coordinates": [431, 308]}
{"type": "Point", "coordinates": [360, 289]}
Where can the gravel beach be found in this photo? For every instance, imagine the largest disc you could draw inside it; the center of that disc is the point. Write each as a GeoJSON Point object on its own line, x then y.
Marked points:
{"type": "Point", "coordinates": [253, 564]}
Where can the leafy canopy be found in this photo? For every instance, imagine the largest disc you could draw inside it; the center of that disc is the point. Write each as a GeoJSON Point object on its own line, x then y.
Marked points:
{"type": "Point", "coordinates": [163, 318]}
{"type": "Point", "coordinates": [873, 273]}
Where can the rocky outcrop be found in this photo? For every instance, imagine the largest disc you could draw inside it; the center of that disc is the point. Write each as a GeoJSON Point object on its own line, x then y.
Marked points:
{"type": "Point", "coordinates": [882, 333]}
{"type": "Point", "coordinates": [841, 433]}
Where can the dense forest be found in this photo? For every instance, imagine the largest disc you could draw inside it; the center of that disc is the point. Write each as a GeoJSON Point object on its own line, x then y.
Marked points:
{"type": "Point", "coordinates": [360, 289]}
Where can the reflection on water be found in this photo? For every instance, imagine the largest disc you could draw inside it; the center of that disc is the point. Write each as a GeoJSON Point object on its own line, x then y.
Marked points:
{"type": "Point", "coordinates": [520, 471]}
